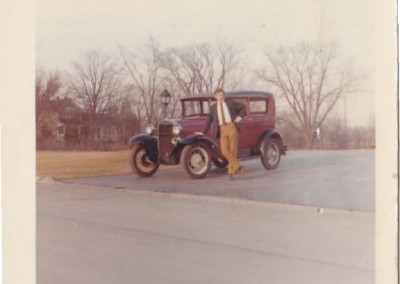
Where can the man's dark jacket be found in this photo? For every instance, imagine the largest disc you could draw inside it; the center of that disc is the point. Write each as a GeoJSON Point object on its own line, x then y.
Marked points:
{"type": "Point", "coordinates": [235, 109]}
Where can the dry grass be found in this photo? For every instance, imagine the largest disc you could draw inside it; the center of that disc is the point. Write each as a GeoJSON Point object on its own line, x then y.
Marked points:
{"type": "Point", "coordinates": [62, 165]}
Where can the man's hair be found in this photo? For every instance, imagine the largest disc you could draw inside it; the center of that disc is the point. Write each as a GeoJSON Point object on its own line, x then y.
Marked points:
{"type": "Point", "coordinates": [219, 90]}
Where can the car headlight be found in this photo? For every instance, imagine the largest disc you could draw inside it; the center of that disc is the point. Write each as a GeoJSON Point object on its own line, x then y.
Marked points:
{"type": "Point", "coordinates": [176, 129]}
{"type": "Point", "coordinates": [150, 129]}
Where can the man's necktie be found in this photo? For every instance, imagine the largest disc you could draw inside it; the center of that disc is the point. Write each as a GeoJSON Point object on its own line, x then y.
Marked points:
{"type": "Point", "coordinates": [222, 114]}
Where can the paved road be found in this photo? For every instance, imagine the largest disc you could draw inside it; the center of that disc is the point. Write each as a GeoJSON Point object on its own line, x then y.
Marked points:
{"type": "Point", "coordinates": [96, 235]}
{"type": "Point", "coordinates": [333, 179]}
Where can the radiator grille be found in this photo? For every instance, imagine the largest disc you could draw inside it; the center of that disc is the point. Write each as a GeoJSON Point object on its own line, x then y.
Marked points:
{"type": "Point", "coordinates": [165, 145]}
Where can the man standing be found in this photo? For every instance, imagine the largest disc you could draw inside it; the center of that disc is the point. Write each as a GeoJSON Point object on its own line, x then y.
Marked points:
{"type": "Point", "coordinates": [225, 117]}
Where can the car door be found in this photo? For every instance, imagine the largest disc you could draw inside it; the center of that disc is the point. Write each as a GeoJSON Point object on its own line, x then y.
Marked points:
{"type": "Point", "coordinates": [255, 122]}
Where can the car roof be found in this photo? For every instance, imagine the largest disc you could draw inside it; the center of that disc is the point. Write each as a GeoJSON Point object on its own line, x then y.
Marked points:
{"type": "Point", "coordinates": [230, 94]}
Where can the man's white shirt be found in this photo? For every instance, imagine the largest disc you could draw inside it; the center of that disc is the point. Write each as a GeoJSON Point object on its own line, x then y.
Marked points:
{"type": "Point", "coordinates": [226, 113]}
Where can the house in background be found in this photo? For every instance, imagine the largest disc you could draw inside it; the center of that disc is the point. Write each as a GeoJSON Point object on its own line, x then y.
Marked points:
{"type": "Point", "coordinates": [65, 121]}
{"type": "Point", "coordinates": [53, 117]}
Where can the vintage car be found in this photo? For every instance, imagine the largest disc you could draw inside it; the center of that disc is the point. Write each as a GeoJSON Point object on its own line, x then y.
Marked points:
{"type": "Point", "coordinates": [173, 141]}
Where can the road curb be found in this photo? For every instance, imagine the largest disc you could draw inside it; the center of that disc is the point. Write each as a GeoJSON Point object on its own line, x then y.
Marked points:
{"type": "Point", "coordinates": [319, 210]}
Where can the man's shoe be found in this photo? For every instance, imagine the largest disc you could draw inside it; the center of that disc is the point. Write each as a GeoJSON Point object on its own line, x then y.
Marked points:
{"type": "Point", "coordinates": [243, 171]}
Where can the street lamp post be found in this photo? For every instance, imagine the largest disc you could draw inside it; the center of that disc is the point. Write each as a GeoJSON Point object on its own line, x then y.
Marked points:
{"type": "Point", "coordinates": [165, 97]}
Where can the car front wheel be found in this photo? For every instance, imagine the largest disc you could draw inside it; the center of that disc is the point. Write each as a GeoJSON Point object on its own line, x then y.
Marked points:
{"type": "Point", "coordinates": [195, 160]}
{"type": "Point", "coordinates": [140, 162]}
{"type": "Point", "coordinates": [272, 154]}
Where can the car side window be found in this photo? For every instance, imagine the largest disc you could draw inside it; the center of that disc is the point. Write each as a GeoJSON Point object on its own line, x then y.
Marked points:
{"type": "Point", "coordinates": [242, 101]}
{"type": "Point", "coordinates": [192, 108]}
{"type": "Point", "coordinates": [206, 107]}
{"type": "Point", "coordinates": [258, 107]}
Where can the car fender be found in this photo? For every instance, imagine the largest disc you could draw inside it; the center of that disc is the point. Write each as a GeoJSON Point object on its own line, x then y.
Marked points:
{"type": "Point", "coordinates": [140, 139]}
{"type": "Point", "coordinates": [190, 139]}
{"type": "Point", "coordinates": [268, 134]}
{"type": "Point", "coordinates": [149, 143]}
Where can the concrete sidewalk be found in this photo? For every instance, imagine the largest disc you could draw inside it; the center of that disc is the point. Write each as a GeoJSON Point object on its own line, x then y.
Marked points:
{"type": "Point", "coordinates": [104, 235]}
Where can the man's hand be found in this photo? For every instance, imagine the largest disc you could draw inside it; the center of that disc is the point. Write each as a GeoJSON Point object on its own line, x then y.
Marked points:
{"type": "Point", "coordinates": [237, 119]}
{"type": "Point", "coordinates": [198, 133]}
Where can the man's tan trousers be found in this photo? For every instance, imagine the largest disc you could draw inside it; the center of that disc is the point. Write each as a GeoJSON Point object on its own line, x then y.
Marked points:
{"type": "Point", "coordinates": [229, 146]}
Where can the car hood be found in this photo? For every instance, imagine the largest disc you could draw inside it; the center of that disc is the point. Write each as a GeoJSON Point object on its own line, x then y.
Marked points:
{"type": "Point", "coordinates": [189, 124]}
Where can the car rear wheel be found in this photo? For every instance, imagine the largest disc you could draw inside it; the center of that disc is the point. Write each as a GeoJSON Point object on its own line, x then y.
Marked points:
{"type": "Point", "coordinates": [272, 154]}
{"type": "Point", "coordinates": [219, 163]}
{"type": "Point", "coordinates": [140, 162]}
{"type": "Point", "coordinates": [195, 160]}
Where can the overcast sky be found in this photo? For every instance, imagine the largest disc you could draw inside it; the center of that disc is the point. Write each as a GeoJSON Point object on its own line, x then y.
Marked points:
{"type": "Point", "coordinates": [66, 29]}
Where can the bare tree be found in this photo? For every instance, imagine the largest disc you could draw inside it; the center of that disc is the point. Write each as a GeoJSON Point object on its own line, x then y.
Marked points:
{"type": "Point", "coordinates": [231, 66]}
{"type": "Point", "coordinates": [201, 68]}
{"type": "Point", "coordinates": [311, 79]}
{"type": "Point", "coordinates": [148, 80]}
{"type": "Point", "coordinates": [293, 139]}
{"type": "Point", "coordinates": [124, 116]}
{"type": "Point", "coordinates": [333, 133]}
{"type": "Point", "coordinates": [361, 136]}
{"type": "Point", "coordinates": [48, 86]}
{"type": "Point", "coordinates": [95, 84]}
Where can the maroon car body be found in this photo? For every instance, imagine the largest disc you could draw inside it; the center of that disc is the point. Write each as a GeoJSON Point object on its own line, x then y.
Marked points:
{"type": "Point", "coordinates": [173, 141]}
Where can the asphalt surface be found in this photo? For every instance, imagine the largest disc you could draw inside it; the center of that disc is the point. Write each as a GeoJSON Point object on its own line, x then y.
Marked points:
{"type": "Point", "coordinates": [309, 221]}
{"type": "Point", "coordinates": [99, 235]}
{"type": "Point", "coordinates": [342, 179]}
